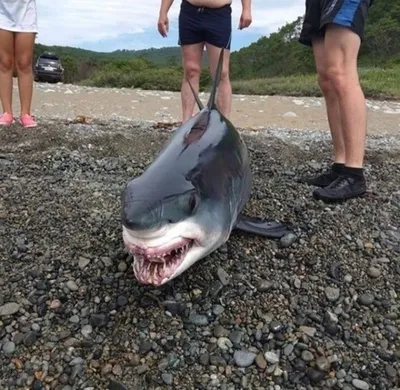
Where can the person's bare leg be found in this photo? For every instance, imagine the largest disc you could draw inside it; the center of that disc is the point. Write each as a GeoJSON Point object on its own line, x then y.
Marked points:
{"type": "Point", "coordinates": [191, 58]}
{"type": "Point", "coordinates": [6, 69]}
{"type": "Point", "coordinates": [224, 95]}
{"type": "Point", "coordinates": [331, 101]}
{"type": "Point", "coordinates": [342, 47]}
{"type": "Point", "coordinates": [24, 43]}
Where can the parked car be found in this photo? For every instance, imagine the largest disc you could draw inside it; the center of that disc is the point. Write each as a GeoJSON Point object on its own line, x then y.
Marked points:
{"type": "Point", "coordinates": [48, 67]}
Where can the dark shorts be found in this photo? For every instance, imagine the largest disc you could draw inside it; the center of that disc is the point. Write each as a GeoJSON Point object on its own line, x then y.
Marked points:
{"type": "Point", "coordinates": [202, 24]}
{"type": "Point", "coordinates": [346, 13]}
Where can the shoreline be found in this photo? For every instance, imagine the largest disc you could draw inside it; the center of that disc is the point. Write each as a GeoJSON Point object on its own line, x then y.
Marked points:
{"type": "Point", "coordinates": [253, 112]}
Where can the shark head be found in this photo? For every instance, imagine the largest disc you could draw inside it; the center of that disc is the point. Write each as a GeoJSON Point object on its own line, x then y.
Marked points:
{"type": "Point", "coordinates": [167, 235]}
{"type": "Point", "coordinates": [175, 213]}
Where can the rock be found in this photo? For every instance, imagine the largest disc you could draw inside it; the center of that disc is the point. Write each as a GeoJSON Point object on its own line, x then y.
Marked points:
{"type": "Point", "coordinates": [374, 272]}
{"type": "Point", "coordinates": [307, 356]}
{"type": "Point", "coordinates": [198, 319]}
{"type": "Point", "coordinates": [83, 262]}
{"type": "Point", "coordinates": [287, 240]}
{"type": "Point", "coordinates": [275, 326]}
{"type": "Point", "coordinates": [390, 371]}
{"type": "Point", "coordinates": [332, 294]}
{"type": "Point", "coordinates": [72, 286]}
{"type": "Point", "coordinates": [308, 330]}
{"type": "Point", "coordinates": [323, 363]}
{"type": "Point", "coordinates": [223, 276]}
{"type": "Point", "coordinates": [359, 384]}
{"type": "Point", "coordinates": [260, 361]}
{"type": "Point", "coordinates": [9, 309]}
{"type": "Point", "coordinates": [30, 339]}
{"type": "Point", "coordinates": [366, 299]}
{"type": "Point", "coordinates": [244, 358]}
{"type": "Point", "coordinates": [289, 114]}
{"type": "Point", "coordinates": [288, 349]}
{"type": "Point", "coordinates": [315, 376]}
{"type": "Point", "coordinates": [9, 348]}
{"type": "Point", "coordinates": [224, 343]}
{"type": "Point", "coordinates": [271, 357]}
{"type": "Point", "coordinates": [264, 286]}
{"type": "Point", "coordinates": [167, 378]}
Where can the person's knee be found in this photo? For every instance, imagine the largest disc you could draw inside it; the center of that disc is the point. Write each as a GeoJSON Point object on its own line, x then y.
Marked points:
{"type": "Point", "coordinates": [338, 78]}
{"type": "Point", "coordinates": [333, 79]}
{"type": "Point", "coordinates": [6, 63]}
{"type": "Point", "coordinates": [24, 64]}
{"type": "Point", "coordinates": [192, 70]}
{"type": "Point", "coordinates": [225, 75]}
{"type": "Point", "coordinates": [324, 82]}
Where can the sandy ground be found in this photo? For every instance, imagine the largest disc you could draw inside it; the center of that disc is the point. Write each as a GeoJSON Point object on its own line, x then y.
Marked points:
{"type": "Point", "coordinates": [70, 101]}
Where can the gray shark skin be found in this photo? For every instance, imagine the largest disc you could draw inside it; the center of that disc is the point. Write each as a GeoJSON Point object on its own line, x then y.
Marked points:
{"type": "Point", "coordinates": [190, 198]}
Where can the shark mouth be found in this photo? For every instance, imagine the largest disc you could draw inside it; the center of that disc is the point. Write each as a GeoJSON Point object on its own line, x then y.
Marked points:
{"type": "Point", "coordinates": [156, 265]}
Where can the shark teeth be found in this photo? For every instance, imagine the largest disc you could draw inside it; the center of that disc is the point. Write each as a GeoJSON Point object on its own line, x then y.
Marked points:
{"type": "Point", "coordinates": [151, 268]}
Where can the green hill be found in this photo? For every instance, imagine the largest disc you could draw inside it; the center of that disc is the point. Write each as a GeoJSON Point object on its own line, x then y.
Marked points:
{"type": "Point", "coordinates": [164, 56]}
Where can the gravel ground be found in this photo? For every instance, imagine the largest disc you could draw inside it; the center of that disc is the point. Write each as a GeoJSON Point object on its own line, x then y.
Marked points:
{"type": "Point", "coordinates": [317, 310]}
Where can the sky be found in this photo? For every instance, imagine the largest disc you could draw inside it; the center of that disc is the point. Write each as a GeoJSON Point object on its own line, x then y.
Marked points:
{"type": "Point", "coordinates": [132, 24]}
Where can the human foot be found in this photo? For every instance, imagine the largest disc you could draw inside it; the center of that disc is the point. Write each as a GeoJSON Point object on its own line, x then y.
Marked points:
{"type": "Point", "coordinates": [27, 120]}
{"type": "Point", "coordinates": [6, 119]}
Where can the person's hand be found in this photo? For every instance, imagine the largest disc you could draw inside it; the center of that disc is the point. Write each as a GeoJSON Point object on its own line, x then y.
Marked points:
{"type": "Point", "coordinates": [245, 19]}
{"type": "Point", "coordinates": [163, 25]}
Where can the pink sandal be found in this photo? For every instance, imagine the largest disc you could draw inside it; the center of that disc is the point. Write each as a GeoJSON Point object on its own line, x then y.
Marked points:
{"type": "Point", "coordinates": [28, 120]}
{"type": "Point", "coordinates": [6, 119]}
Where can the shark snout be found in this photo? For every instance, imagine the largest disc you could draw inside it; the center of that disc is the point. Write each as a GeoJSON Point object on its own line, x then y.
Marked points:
{"type": "Point", "coordinates": [141, 215]}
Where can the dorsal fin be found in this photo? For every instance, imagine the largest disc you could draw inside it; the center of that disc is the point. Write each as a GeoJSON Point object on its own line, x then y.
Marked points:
{"type": "Point", "coordinates": [217, 77]}
{"type": "Point", "coordinates": [196, 97]}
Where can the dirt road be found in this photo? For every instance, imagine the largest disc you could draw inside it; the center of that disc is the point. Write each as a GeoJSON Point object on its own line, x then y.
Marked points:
{"type": "Point", "coordinates": [69, 101]}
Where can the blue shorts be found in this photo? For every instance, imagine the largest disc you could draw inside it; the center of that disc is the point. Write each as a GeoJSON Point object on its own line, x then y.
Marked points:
{"type": "Point", "coordinates": [346, 13]}
{"type": "Point", "coordinates": [203, 24]}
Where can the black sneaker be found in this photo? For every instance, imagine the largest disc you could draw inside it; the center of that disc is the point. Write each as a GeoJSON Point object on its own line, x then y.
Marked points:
{"type": "Point", "coordinates": [343, 188]}
{"type": "Point", "coordinates": [322, 180]}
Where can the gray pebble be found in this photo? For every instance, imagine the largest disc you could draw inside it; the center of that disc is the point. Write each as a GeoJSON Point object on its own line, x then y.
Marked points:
{"type": "Point", "coordinates": [332, 293]}
{"type": "Point", "coordinates": [307, 356]}
{"type": "Point", "coordinates": [122, 266]}
{"type": "Point", "coordinates": [223, 276]}
{"type": "Point", "coordinates": [341, 374]}
{"type": "Point", "coordinates": [359, 384]}
{"type": "Point", "coordinates": [167, 378]}
{"type": "Point", "coordinates": [9, 348]}
{"type": "Point", "coordinates": [83, 262]}
{"type": "Point", "coordinates": [374, 272]}
{"type": "Point", "coordinates": [72, 286]}
{"type": "Point", "coordinates": [265, 286]}
{"type": "Point", "coordinates": [288, 349]}
{"type": "Point", "coordinates": [271, 357]}
{"type": "Point", "coordinates": [9, 309]}
{"type": "Point", "coordinates": [218, 310]}
{"type": "Point", "coordinates": [287, 240]}
{"type": "Point", "coordinates": [308, 330]}
{"type": "Point", "coordinates": [86, 330]}
{"type": "Point", "coordinates": [366, 299]}
{"type": "Point", "coordinates": [390, 371]}
{"type": "Point", "coordinates": [235, 336]}
{"type": "Point", "coordinates": [244, 358]}
{"type": "Point", "coordinates": [323, 363]}
{"type": "Point", "coordinates": [198, 319]}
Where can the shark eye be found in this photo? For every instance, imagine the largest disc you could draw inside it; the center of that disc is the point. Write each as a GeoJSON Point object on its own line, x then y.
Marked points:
{"type": "Point", "coordinates": [192, 202]}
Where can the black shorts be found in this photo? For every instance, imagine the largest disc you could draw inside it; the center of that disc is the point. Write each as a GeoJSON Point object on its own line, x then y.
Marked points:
{"type": "Point", "coordinates": [346, 13]}
{"type": "Point", "coordinates": [203, 24]}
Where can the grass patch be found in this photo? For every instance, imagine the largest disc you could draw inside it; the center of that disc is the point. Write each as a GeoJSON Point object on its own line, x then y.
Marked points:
{"type": "Point", "coordinates": [377, 83]}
